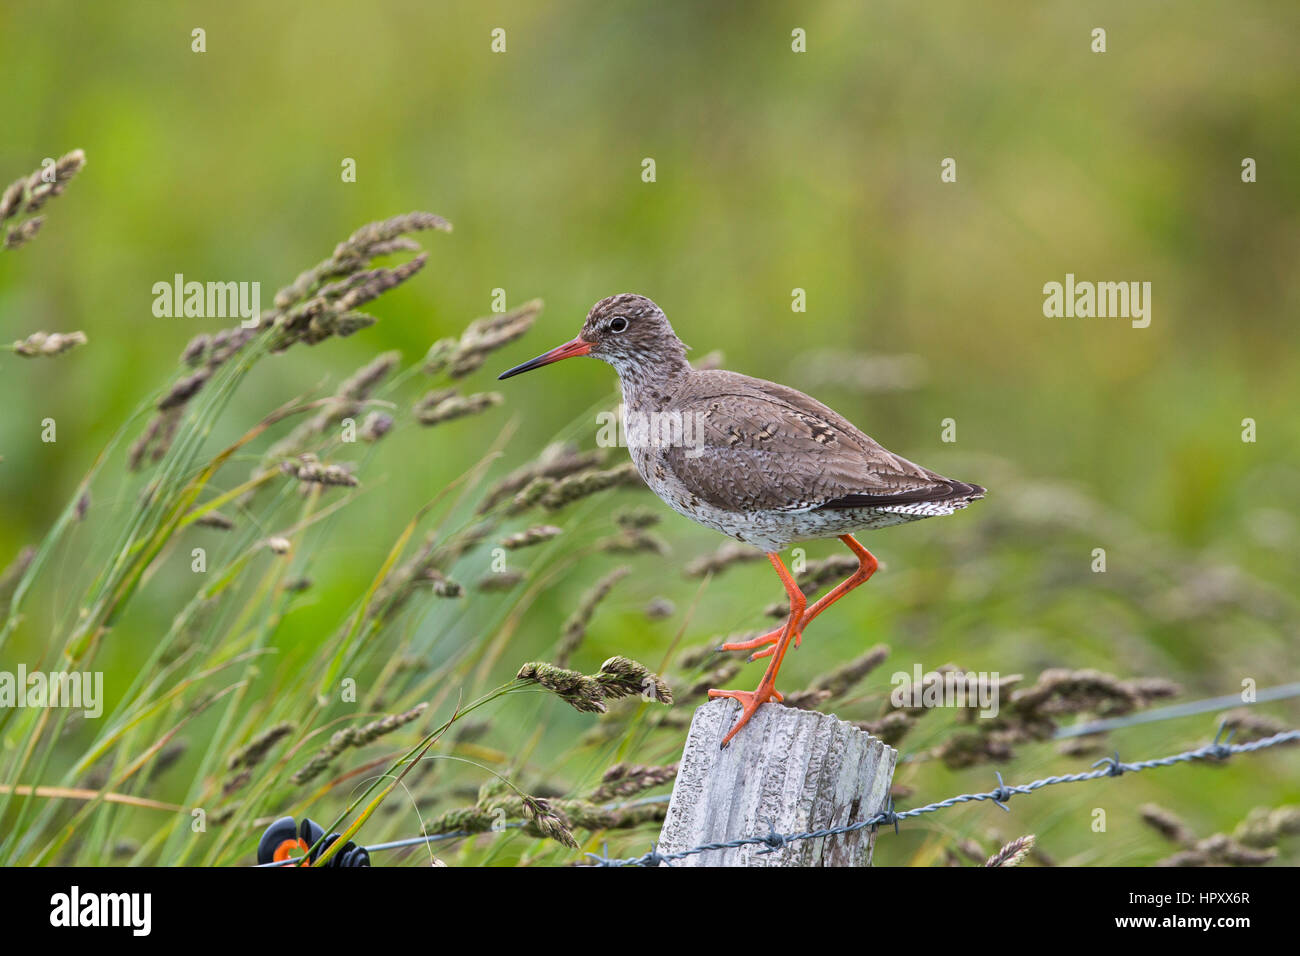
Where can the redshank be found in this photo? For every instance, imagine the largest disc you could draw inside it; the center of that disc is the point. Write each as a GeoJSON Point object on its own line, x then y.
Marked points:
{"type": "Point", "coordinates": [758, 461]}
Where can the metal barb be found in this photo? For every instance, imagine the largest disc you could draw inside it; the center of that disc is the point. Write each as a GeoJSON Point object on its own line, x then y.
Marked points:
{"type": "Point", "coordinates": [654, 857]}
{"type": "Point", "coordinates": [1002, 794]}
{"type": "Point", "coordinates": [773, 841]}
{"type": "Point", "coordinates": [1221, 748]}
{"type": "Point", "coordinates": [602, 858]}
{"type": "Point", "coordinates": [1114, 768]}
{"type": "Point", "coordinates": [885, 816]}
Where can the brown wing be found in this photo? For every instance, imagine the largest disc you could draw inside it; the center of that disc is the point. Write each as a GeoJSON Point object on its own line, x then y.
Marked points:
{"type": "Point", "coordinates": [762, 446]}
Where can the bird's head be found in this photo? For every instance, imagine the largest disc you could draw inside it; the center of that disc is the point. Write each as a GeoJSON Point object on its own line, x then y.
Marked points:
{"type": "Point", "coordinates": [628, 331]}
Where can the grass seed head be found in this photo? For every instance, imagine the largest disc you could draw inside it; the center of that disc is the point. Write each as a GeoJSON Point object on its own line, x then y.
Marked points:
{"type": "Point", "coordinates": [557, 460]}
{"type": "Point", "coordinates": [456, 406]}
{"type": "Point", "coordinates": [1014, 852]}
{"type": "Point", "coordinates": [721, 559]}
{"type": "Point", "coordinates": [495, 581]}
{"type": "Point", "coordinates": [1168, 824]}
{"type": "Point", "coordinates": [623, 781]}
{"type": "Point", "coordinates": [623, 677]}
{"type": "Point", "coordinates": [547, 822]}
{"type": "Point", "coordinates": [531, 536]}
{"type": "Point", "coordinates": [584, 485]}
{"type": "Point", "coordinates": [48, 344]}
{"type": "Point", "coordinates": [376, 426]}
{"type": "Point", "coordinates": [215, 519]}
{"type": "Point", "coordinates": [252, 753]}
{"type": "Point", "coordinates": [583, 693]}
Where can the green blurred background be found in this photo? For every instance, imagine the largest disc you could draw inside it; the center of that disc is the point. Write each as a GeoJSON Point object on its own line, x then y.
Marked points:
{"type": "Point", "coordinates": [775, 170]}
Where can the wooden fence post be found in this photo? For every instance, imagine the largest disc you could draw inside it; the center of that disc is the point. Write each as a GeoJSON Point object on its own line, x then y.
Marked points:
{"type": "Point", "coordinates": [797, 768]}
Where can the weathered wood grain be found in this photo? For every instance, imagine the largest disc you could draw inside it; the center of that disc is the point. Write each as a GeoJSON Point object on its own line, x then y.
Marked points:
{"type": "Point", "coordinates": [799, 769]}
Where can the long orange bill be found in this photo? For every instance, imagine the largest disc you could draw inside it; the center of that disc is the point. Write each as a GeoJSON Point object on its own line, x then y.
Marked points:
{"type": "Point", "coordinates": [567, 350]}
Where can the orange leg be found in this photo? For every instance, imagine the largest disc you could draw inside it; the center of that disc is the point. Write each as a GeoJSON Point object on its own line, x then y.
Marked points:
{"type": "Point", "coordinates": [866, 568]}
{"type": "Point", "coordinates": [751, 701]}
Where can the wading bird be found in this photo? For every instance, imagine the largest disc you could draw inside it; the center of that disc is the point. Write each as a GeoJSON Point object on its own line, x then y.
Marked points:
{"type": "Point", "coordinates": [766, 464]}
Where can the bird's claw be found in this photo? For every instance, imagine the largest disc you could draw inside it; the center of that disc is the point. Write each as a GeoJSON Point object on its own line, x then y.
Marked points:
{"type": "Point", "coordinates": [749, 702]}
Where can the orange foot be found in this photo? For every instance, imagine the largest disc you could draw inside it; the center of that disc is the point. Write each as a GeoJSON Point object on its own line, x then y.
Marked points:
{"type": "Point", "coordinates": [750, 701]}
{"type": "Point", "coordinates": [769, 638]}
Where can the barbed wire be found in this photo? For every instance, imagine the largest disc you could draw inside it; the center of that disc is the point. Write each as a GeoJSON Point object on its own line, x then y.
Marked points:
{"type": "Point", "coordinates": [1280, 692]}
{"type": "Point", "coordinates": [1219, 749]}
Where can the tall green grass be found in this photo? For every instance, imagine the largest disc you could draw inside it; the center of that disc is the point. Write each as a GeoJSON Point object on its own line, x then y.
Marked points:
{"type": "Point", "coordinates": [401, 716]}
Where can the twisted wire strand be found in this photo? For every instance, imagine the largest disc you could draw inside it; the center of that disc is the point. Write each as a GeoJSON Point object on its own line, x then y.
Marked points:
{"type": "Point", "coordinates": [1218, 749]}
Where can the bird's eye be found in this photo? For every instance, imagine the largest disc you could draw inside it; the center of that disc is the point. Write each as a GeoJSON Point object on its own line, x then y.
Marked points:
{"type": "Point", "coordinates": [618, 324]}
